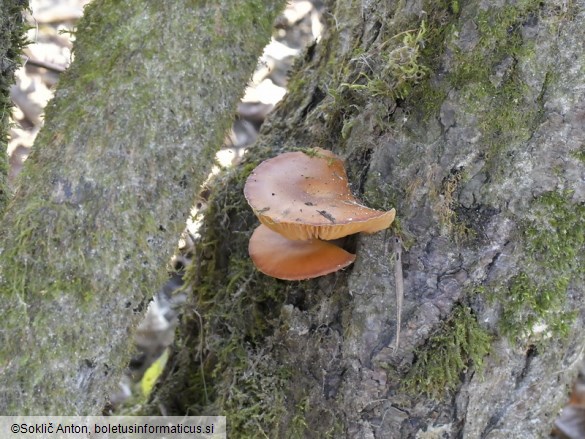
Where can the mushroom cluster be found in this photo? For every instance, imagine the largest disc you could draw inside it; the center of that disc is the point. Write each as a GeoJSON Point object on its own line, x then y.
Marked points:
{"type": "Point", "coordinates": [303, 200]}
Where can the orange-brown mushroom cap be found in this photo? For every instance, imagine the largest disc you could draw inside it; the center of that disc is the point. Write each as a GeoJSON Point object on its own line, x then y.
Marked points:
{"type": "Point", "coordinates": [304, 197]}
{"type": "Point", "coordinates": [282, 258]}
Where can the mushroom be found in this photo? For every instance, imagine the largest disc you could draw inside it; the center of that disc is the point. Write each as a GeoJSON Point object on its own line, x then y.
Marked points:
{"type": "Point", "coordinates": [304, 197]}
{"type": "Point", "coordinates": [282, 258]}
{"type": "Point", "coordinates": [303, 200]}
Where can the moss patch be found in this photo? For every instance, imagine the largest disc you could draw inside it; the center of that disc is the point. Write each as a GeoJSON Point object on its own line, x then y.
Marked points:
{"type": "Point", "coordinates": [365, 84]}
{"type": "Point", "coordinates": [483, 69]}
{"type": "Point", "coordinates": [397, 68]}
{"type": "Point", "coordinates": [240, 307]}
{"type": "Point", "coordinates": [491, 86]}
{"type": "Point", "coordinates": [579, 154]}
{"type": "Point", "coordinates": [459, 343]}
{"type": "Point", "coordinates": [445, 205]}
{"type": "Point", "coordinates": [534, 302]}
{"type": "Point", "coordinates": [12, 41]}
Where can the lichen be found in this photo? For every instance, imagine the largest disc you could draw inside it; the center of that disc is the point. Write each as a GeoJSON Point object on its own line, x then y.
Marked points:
{"type": "Point", "coordinates": [457, 345]}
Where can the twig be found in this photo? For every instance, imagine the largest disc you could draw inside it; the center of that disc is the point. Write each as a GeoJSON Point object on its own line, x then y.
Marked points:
{"type": "Point", "coordinates": [46, 65]}
{"type": "Point", "coordinates": [399, 281]}
{"type": "Point", "coordinates": [201, 366]}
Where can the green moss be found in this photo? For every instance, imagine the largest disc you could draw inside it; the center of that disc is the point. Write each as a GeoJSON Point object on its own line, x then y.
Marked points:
{"type": "Point", "coordinates": [489, 83]}
{"type": "Point", "coordinates": [429, 97]}
{"type": "Point", "coordinates": [380, 195]}
{"type": "Point", "coordinates": [534, 301]}
{"type": "Point", "coordinates": [579, 154]}
{"type": "Point", "coordinates": [4, 190]}
{"type": "Point", "coordinates": [296, 83]}
{"type": "Point", "coordinates": [473, 71]}
{"type": "Point", "coordinates": [369, 82]}
{"type": "Point", "coordinates": [397, 67]}
{"type": "Point", "coordinates": [429, 93]}
{"type": "Point", "coordinates": [445, 204]}
{"type": "Point", "coordinates": [240, 306]}
{"type": "Point", "coordinates": [211, 30]}
{"type": "Point", "coordinates": [460, 343]}
{"type": "Point", "coordinates": [254, 402]}
{"type": "Point", "coordinates": [12, 41]}
{"type": "Point", "coordinates": [298, 422]}
{"type": "Point", "coordinates": [62, 289]}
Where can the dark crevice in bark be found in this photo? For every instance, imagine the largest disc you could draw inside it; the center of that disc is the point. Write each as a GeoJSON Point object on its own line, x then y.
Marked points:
{"type": "Point", "coordinates": [494, 260]}
{"type": "Point", "coordinates": [375, 30]}
{"type": "Point", "coordinates": [316, 97]}
{"type": "Point", "coordinates": [531, 354]}
{"type": "Point", "coordinates": [493, 422]}
{"type": "Point", "coordinates": [359, 165]}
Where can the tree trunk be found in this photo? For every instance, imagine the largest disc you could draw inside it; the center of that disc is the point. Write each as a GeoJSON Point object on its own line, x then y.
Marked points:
{"type": "Point", "coordinates": [127, 142]}
{"type": "Point", "coordinates": [468, 118]}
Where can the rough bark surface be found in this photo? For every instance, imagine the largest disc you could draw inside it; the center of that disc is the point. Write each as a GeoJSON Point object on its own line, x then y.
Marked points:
{"type": "Point", "coordinates": [127, 142]}
{"type": "Point", "coordinates": [468, 118]}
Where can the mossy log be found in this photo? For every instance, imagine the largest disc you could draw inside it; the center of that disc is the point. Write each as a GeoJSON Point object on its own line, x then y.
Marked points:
{"type": "Point", "coordinates": [467, 117]}
{"type": "Point", "coordinates": [127, 142]}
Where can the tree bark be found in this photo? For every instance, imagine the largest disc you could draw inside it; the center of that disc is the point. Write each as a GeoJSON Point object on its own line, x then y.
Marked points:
{"type": "Point", "coordinates": [128, 140]}
{"type": "Point", "coordinates": [468, 118]}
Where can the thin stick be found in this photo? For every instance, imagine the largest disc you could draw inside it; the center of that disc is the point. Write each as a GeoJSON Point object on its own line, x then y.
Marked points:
{"type": "Point", "coordinates": [399, 281]}
{"type": "Point", "coordinates": [46, 65]}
